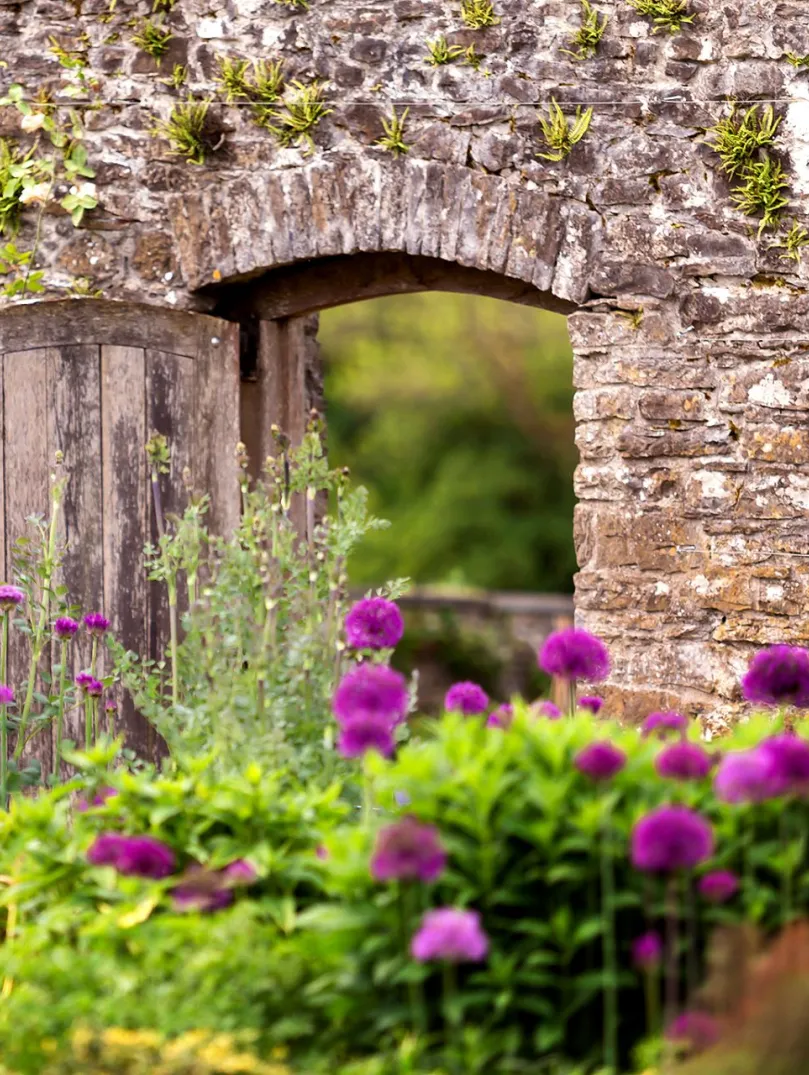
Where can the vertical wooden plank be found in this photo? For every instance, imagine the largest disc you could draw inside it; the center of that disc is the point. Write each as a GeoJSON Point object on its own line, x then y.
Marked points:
{"type": "Point", "coordinates": [216, 429]}
{"type": "Point", "coordinates": [169, 410]}
{"type": "Point", "coordinates": [27, 469]}
{"type": "Point", "coordinates": [74, 429]}
{"type": "Point", "coordinates": [126, 513]}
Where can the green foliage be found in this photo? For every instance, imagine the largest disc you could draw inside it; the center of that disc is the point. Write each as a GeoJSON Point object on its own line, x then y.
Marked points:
{"type": "Point", "coordinates": [669, 15]}
{"type": "Point", "coordinates": [152, 39]}
{"type": "Point", "coordinates": [456, 413]}
{"type": "Point", "coordinates": [793, 242]}
{"type": "Point", "coordinates": [762, 192]}
{"type": "Point", "coordinates": [233, 77]}
{"type": "Point", "coordinates": [261, 82]}
{"type": "Point", "coordinates": [178, 77]}
{"type": "Point", "coordinates": [262, 645]}
{"type": "Point", "coordinates": [478, 14]}
{"type": "Point", "coordinates": [560, 137]}
{"type": "Point", "coordinates": [587, 38]}
{"type": "Point", "coordinates": [302, 110]}
{"type": "Point", "coordinates": [738, 140]}
{"type": "Point", "coordinates": [798, 61]}
{"type": "Point", "coordinates": [186, 129]}
{"type": "Point", "coordinates": [301, 5]}
{"type": "Point", "coordinates": [163, 5]}
{"type": "Point", "coordinates": [16, 264]}
{"type": "Point", "coordinates": [440, 52]}
{"type": "Point", "coordinates": [393, 138]}
{"type": "Point", "coordinates": [15, 168]}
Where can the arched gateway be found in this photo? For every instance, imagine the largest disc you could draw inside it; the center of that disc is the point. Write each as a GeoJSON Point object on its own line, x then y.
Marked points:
{"type": "Point", "coordinates": [688, 328]}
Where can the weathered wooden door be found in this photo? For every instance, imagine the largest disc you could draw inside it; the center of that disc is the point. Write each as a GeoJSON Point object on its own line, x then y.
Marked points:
{"type": "Point", "coordinates": [93, 380]}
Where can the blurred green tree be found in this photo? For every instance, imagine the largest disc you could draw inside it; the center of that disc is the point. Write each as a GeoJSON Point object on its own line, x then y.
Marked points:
{"type": "Point", "coordinates": [456, 412]}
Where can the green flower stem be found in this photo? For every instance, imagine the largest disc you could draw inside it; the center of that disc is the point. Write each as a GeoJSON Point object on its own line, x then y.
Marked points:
{"type": "Point", "coordinates": [572, 697]}
{"type": "Point", "coordinates": [368, 799]}
{"type": "Point", "coordinates": [787, 879]}
{"type": "Point", "coordinates": [175, 680]}
{"type": "Point", "coordinates": [651, 992]}
{"type": "Point", "coordinates": [672, 963]}
{"type": "Point", "coordinates": [60, 716]}
{"type": "Point", "coordinates": [452, 1027]}
{"type": "Point", "coordinates": [610, 957]}
{"type": "Point", "coordinates": [88, 722]}
{"type": "Point", "coordinates": [407, 918]}
{"type": "Point", "coordinates": [4, 716]}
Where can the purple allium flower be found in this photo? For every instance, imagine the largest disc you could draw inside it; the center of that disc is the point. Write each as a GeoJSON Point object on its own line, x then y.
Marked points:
{"type": "Point", "coordinates": [661, 724]}
{"type": "Point", "coordinates": [64, 628]}
{"type": "Point", "coordinates": [647, 951]}
{"type": "Point", "coordinates": [745, 776]}
{"type": "Point", "coordinates": [501, 717]}
{"type": "Point", "coordinates": [198, 898]}
{"type": "Point", "coordinates": [10, 598]}
{"type": "Point", "coordinates": [789, 759]}
{"type": "Point", "coordinates": [684, 761]}
{"type": "Point", "coordinates": [408, 851]}
{"type": "Point", "coordinates": [240, 872]}
{"type": "Point", "coordinates": [451, 935]}
{"type": "Point", "coordinates": [89, 684]}
{"type": "Point", "coordinates": [144, 856]}
{"type": "Point", "coordinates": [575, 654]}
{"type": "Point", "coordinates": [6, 695]}
{"type": "Point", "coordinates": [98, 799]}
{"type": "Point", "coordinates": [778, 675]}
{"type": "Point", "coordinates": [719, 886]}
{"type": "Point", "coordinates": [546, 709]}
{"type": "Point", "coordinates": [467, 698]}
{"type": "Point", "coordinates": [671, 838]}
{"type": "Point", "coordinates": [364, 733]}
{"type": "Point", "coordinates": [592, 703]}
{"type": "Point", "coordinates": [600, 761]}
{"type": "Point", "coordinates": [96, 623]}
{"type": "Point", "coordinates": [106, 849]}
{"type": "Point", "coordinates": [698, 1030]}
{"type": "Point", "coordinates": [374, 623]}
{"type": "Point", "coordinates": [371, 690]}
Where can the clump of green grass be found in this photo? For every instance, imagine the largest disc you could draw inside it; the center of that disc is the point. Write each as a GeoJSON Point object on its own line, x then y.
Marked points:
{"type": "Point", "coordinates": [560, 136]}
{"type": "Point", "coordinates": [152, 39]}
{"type": "Point", "coordinates": [669, 15]}
{"type": "Point", "coordinates": [737, 140]}
{"type": "Point", "coordinates": [478, 14]}
{"type": "Point", "coordinates": [293, 124]}
{"type": "Point", "coordinates": [762, 191]}
{"type": "Point", "coordinates": [186, 130]}
{"type": "Point", "coordinates": [440, 52]}
{"type": "Point", "coordinates": [587, 38]}
{"type": "Point", "coordinates": [393, 138]}
{"type": "Point", "coordinates": [795, 239]}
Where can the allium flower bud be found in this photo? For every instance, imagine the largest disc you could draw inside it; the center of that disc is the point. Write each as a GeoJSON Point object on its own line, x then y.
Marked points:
{"type": "Point", "coordinates": [600, 761]}
{"type": "Point", "coordinates": [10, 598]}
{"type": "Point", "coordinates": [647, 951]}
{"type": "Point", "coordinates": [450, 935]}
{"type": "Point", "coordinates": [671, 838]}
{"type": "Point", "coordinates": [778, 675]}
{"type": "Point", "coordinates": [467, 698]}
{"type": "Point", "coordinates": [719, 886]}
{"type": "Point", "coordinates": [591, 703]}
{"type": "Point", "coordinates": [89, 684]}
{"type": "Point", "coordinates": [573, 654]}
{"type": "Point", "coordinates": [408, 851]}
{"type": "Point", "coordinates": [374, 623]}
{"type": "Point", "coordinates": [65, 628]}
{"type": "Point", "coordinates": [96, 623]}
{"type": "Point", "coordinates": [6, 695]}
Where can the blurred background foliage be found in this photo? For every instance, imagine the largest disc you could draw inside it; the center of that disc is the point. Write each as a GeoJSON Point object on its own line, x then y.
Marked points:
{"type": "Point", "coordinates": [455, 411]}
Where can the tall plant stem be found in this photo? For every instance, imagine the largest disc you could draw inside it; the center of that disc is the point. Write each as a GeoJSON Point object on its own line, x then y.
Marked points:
{"type": "Point", "coordinates": [571, 687]}
{"type": "Point", "coordinates": [452, 1028]}
{"type": "Point", "coordinates": [37, 644]}
{"type": "Point", "coordinates": [94, 656]}
{"type": "Point", "coordinates": [414, 988]}
{"type": "Point", "coordinates": [88, 722]}
{"type": "Point", "coordinates": [651, 992]}
{"type": "Point", "coordinates": [672, 964]}
{"type": "Point", "coordinates": [175, 678]}
{"type": "Point", "coordinates": [368, 799]}
{"type": "Point", "coordinates": [158, 503]}
{"type": "Point", "coordinates": [60, 716]}
{"type": "Point", "coordinates": [4, 716]}
{"type": "Point", "coordinates": [610, 959]}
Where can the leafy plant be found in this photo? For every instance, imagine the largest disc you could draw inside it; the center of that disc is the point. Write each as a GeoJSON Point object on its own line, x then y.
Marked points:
{"type": "Point", "coordinates": [233, 78]}
{"type": "Point", "coordinates": [793, 242]}
{"type": "Point", "coordinates": [163, 5]}
{"type": "Point", "coordinates": [478, 14]}
{"type": "Point", "coordinates": [669, 15]}
{"type": "Point", "coordinates": [762, 191]}
{"type": "Point", "coordinates": [472, 58]}
{"type": "Point", "coordinates": [440, 52]}
{"type": "Point", "coordinates": [178, 77]}
{"type": "Point", "coordinates": [266, 89]}
{"type": "Point", "coordinates": [393, 138]}
{"type": "Point", "coordinates": [560, 137]}
{"type": "Point", "coordinates": [186, 130]}
{"type": "Point", "coordinates": [300, 4]}
{"type": "Point", "coordinates": [293, 124]}
{"type": "Point", "coordinates": [737, 139]}
{"type": "Point", "coordinates": [585, 42]}
{"type": "Point", "coordinates": [152, 39]}
{"type": "Point", "coordinates": [16, 264]}
{"type": "Point", "coordinates": [798, 61]}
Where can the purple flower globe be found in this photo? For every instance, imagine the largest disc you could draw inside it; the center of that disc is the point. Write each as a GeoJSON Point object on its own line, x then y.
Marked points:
{"type": "Point", "coordinates": [191, 897]}
{"type": "Point", "coordinates": [600, 761]}
{"type": "Point", "coordinates": [662, 725]}
{"type": "Point", "coordinates": [591, 704]}
{"type": "Point", "coordinates": [89, 684]}
{"type": "Point", "coordinates": [718, 886]}
{"type": "Point", "coordinates": [574, 654]}
{"type": "Point", "coordinates": [684, 761]}
{"type": "Point", "coordinates": [696, 1030]}
{"type": "Point", "coordinates": [374, 623]}
{"type": "Point", "coordinates": [240, 872]}
{"type": "Point", "coordinates": [671, 838]}
{"type": "Point", "coordinates": [96, 623]}
{"type": "Point", "coordinates": [363, 733]}
{"type": "Point", "coordinates": [501, 717]}
{"type": "Point", "coordinates": [105, 849]}
{"type": "Point", "coordinates": [10, 598]}
{"type": "Point", "coordinates": [467, 698]}
{"type": "Point", "coordinates": [64, 628]}
{"type": "Point", "coordinates": [6, 695]}
{"type": "Point", "coordinates": [451, 935]}
{"type": "Point", "coordinates": [137, 856]}
{"type": "Point", "coordinates": [546, 709]}
{"type": "Point", "coordinates": [788, 756]}
{"type": "Point", "coordinates": [371, 690]}
{"type": "Point", "coordinates": [408, 851]}
{"type": "Point", "coordinates": [745, 776]}
{"type": "Point", "coordinates": [647, 951]}
{"type": "Point", "coordinates": [778, 675]}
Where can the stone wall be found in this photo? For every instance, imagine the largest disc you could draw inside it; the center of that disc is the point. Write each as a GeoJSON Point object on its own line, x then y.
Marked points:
{"type": "Point", "coordinates": [689, 330]}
